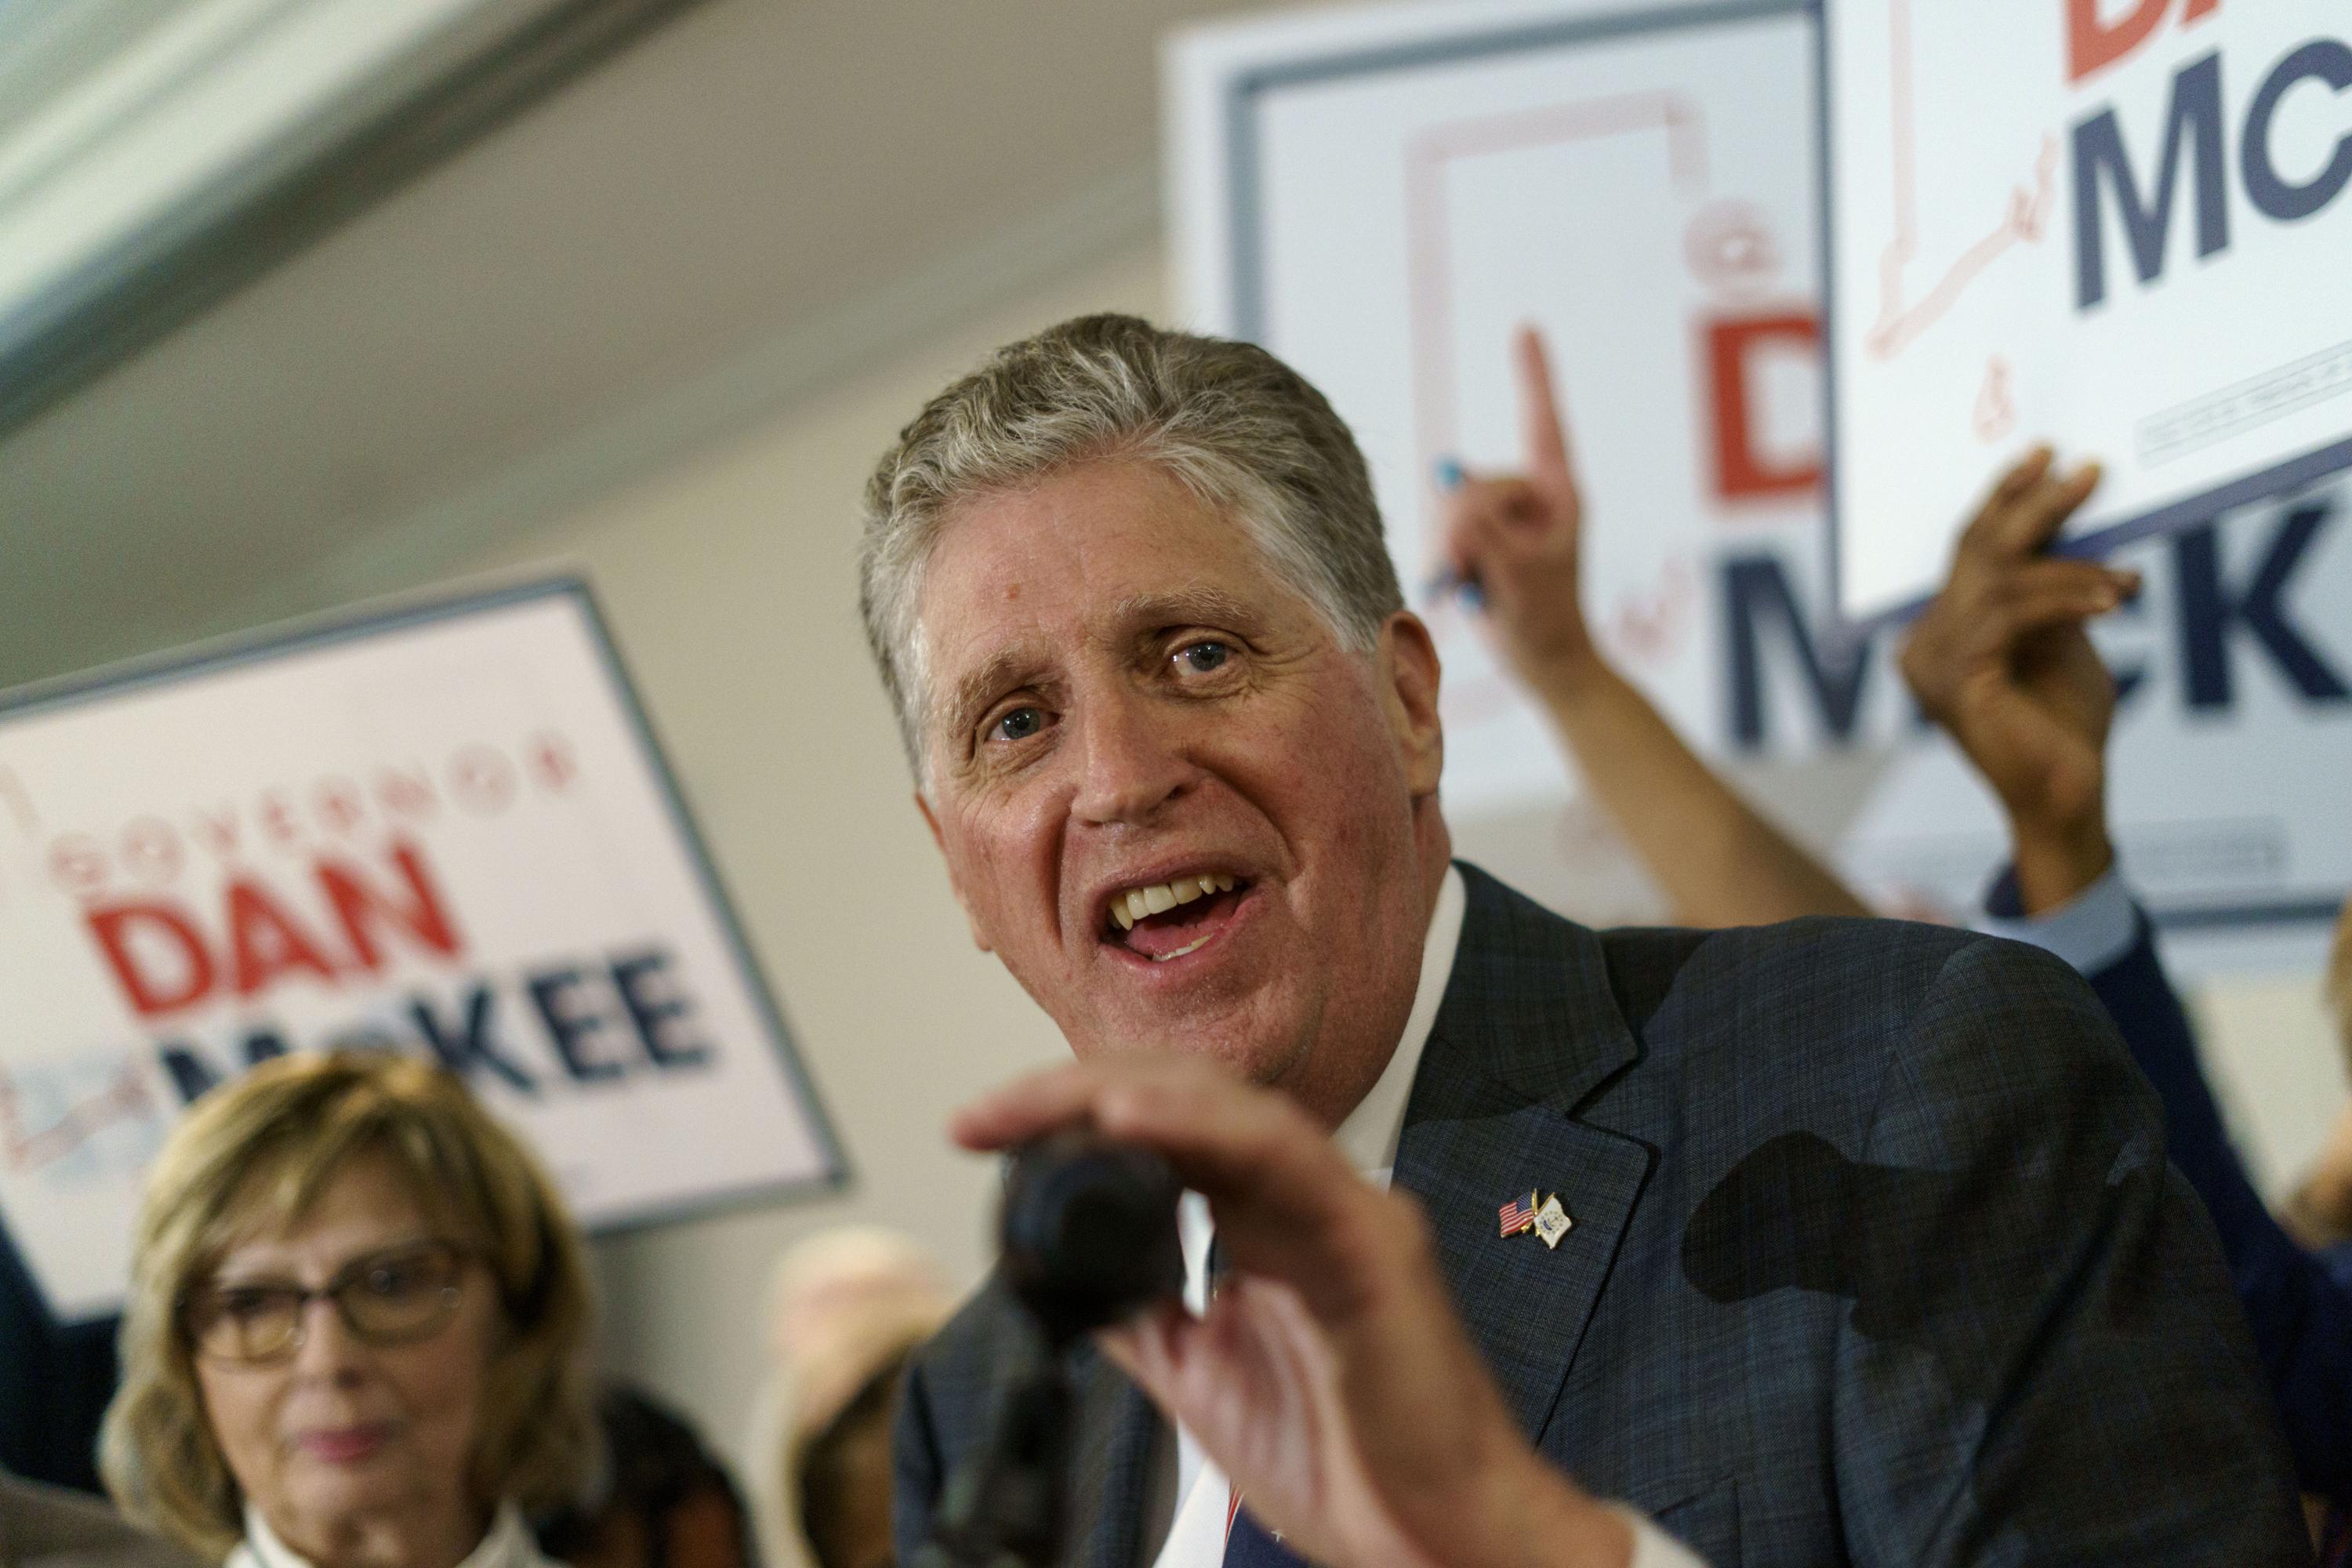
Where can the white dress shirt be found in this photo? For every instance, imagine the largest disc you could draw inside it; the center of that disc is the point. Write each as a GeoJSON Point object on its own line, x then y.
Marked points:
{"type": "Point", "coordinates": [506, 1544]}
{"type": "Point", "coordinates": [1369, 1137]}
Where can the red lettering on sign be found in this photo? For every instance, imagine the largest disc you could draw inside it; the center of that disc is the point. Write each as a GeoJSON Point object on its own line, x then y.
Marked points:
{"type": "Point", "coordinates": [151, 993]}
{"type": "Point", "coordinates": [216, 833]}
{"type": "Point", "coordinates": [552, 759]}
{"type": "Point", "coordinates": [265, 942]}
{"type": "Point", "coordinates": [1742, 472]}
{"type": "Point", "coordinates": [2093, 45]}
{"type": "Point", "coordinates": [421, 913]}
{"type": "Point", "coordinates": [76, 863]}
{"type": "Point", "coordinates": [341, 809]}
{"type": "Point", "coordinates": [406, 793]}
{"type": "Point", "coordinates": [482, 779]}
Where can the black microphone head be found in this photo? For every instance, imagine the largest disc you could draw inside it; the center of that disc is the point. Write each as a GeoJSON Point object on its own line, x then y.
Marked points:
{"type": "Point", "coordinates": [1089, 1232]}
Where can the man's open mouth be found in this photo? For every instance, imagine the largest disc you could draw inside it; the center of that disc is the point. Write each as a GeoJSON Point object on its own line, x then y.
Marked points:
{"type": "Point", "coordinates": [1168, 920]}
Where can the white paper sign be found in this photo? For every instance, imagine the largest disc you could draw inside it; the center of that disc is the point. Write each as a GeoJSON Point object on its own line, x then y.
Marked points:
{"type": "Point", "coordinates": [2123, 223]}
{"type": "Point", "coordinates": [1380, 196]}
{"type": "Point", "coordinates": [445, 831]}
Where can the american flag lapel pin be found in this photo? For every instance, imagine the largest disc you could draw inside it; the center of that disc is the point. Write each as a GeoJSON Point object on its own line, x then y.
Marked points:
{"type": "Point", "coordinates": [1519, 1215]}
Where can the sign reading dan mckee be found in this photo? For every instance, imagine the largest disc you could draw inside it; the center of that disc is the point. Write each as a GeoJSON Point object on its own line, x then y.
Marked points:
{"type": "Point", "coordinates": [2122, 224]}
{"type": "Point", "coordinates": [444, 832]}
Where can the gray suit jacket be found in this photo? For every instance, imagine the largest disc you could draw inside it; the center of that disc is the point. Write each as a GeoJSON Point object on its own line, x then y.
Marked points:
{"type": "Point", "coordinates": [49, 1526]}
{"type": "Point", "coordinates": [1877, 1260]}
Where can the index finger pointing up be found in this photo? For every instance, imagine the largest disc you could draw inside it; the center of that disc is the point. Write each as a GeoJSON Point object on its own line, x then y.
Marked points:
{"type": "Point", "coordinates": [1544, 433]}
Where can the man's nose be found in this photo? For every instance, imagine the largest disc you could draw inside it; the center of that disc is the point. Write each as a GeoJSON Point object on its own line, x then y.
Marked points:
{"type": "Point", "coordinates": [1130, 759]}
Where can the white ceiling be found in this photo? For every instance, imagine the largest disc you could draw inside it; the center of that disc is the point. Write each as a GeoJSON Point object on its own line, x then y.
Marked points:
{"type": "Point", "coordinates": [731, 214]}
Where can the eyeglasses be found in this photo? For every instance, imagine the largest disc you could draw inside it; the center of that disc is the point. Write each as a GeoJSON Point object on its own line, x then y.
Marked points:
{"type": "Point", "coordinates": [395, 1296]}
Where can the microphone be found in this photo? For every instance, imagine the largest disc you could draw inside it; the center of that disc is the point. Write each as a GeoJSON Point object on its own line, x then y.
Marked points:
{"type": "Point", "coordinates": [1088, 1232]}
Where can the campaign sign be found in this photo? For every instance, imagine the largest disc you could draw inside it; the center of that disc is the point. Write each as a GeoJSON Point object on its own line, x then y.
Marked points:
{"type": "Point", "coordinates": [1382, 195]}
{"type": "Point", "coordinates": [2123, 224]}
{"type": "Point", "coordinates": [445, 831]}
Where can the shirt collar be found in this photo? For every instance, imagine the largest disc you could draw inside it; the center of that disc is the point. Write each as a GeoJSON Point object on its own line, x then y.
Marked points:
{"type": "Point", "coordinates": [506, 1544]}
{"type": "Point", "coordinates": [1368, 1138]}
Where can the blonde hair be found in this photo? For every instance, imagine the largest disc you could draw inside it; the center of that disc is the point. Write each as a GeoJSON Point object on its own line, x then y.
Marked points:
{"type": "Point", "coordinates": [1237, 428]}
{"type": "Point", "coordinates": [254, 1156]}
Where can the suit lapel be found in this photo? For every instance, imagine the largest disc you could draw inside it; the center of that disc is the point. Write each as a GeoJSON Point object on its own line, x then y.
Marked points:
{"type": "Point", "coordinates": [1527, 1030]}
{"type": "Point", "coordinates": [1117, 1429]}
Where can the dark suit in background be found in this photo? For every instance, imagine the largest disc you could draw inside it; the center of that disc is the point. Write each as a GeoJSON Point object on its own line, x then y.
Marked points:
{"type": "Point", "coordinates": [2298, 1302]}
{"type": "Point", "coordinates": [55, 1381]}
{"type": "Point", "coordinates": [46, 1526]}
{"type": "Point", "coordinates": [1876, 1259]}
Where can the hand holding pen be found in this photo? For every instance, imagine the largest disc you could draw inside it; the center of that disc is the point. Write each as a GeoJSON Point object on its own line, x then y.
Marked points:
{"type": "Point", "coordinates": [1511, 542]}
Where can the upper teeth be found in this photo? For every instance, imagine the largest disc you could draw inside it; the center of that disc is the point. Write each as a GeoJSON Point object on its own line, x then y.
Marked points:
{"type": "Point", "coordinates": [1136, 902]}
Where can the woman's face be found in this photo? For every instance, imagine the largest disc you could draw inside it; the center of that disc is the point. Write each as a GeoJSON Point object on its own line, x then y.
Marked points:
{"type": "Point", "coordinates": [339, 1439]}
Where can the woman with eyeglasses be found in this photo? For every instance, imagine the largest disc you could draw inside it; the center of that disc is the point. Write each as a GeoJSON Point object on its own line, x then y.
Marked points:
{"type": "Point", "coordinates": [357, 1330]}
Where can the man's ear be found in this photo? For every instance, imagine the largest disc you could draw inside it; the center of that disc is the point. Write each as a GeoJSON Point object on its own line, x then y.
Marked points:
{"type": "Point", "coordinates": [1409, 670]}
{"type": "Point", "coordinates": [955, 883]}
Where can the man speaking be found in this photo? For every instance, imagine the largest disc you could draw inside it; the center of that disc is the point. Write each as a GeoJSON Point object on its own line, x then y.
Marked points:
{"type": "Point", "coordinates": [1827, 1243]}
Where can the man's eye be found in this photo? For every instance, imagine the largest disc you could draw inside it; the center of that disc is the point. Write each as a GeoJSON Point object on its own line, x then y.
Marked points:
{"type": "Point", "coordinates": [1202, 657]}
{"type": "Point", "coordinates": [1019, 724]}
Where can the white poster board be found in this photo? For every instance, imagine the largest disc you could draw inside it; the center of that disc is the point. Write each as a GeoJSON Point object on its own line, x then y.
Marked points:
{"type": "Point", "coordinates": [445, 830]}
{"type": "Point", "coordinates": [2126, 223]}
{"type": "Point", "coordinates": [1381, 194]}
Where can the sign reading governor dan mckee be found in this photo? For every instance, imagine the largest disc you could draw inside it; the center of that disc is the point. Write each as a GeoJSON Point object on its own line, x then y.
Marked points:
{"type": "Point", "coordinates": [2121, 225]}
{"type": "Point", "coordinates": [444, 831]}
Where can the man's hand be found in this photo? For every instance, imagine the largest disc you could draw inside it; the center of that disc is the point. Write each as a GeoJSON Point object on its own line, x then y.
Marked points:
{"type": "Point", "coordinates": [1330, 1378]}
{"type": "Point", "coordinates": [1517, 537]}
{"type": "Point", "coordinates": [2001, 660]}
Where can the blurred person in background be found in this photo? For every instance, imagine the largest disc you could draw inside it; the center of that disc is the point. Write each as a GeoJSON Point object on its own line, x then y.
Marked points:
{"type": "Point", "coordinates": [2001, 660]}
{"type": "Point", "coordinates": [847, 1308]}
{"type": "Point", "coordinates": [51, 1527]}
{"type": "Point", "coordinates": [1863, 1250]}
{"type": "Point", "coordinates": [55, 1381]}
{"type": "Point", "coordinates": [357, 1328]}
{"type": "Point", "coordinates": [658, 1497]}
{"type": "Point", "coordinates": [2320, 1212]}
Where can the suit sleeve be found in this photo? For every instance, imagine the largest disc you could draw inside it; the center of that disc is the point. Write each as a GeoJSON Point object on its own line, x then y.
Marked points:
{"type": "Point", "coordinates": [2300, 1313]}
{"type": "Point", "coordinates": [2045, 1361]}
{"type": "Point", "coordinates": [915, 1468]}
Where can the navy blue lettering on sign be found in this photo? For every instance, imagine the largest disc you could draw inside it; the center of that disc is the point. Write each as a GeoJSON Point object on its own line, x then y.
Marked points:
{"type": "Point", "coordinates": [656, 1008]}
{"type": "Point", "coordinates": [467, 1047]}
{"type": "Point", "coordinates": [2101, 162]}
{"type": "Point", "coordinates": [2210, 611]}
{"type": "Point", "coordinates": [1756, 588]}
{"type": "Point", "coordinates": [192, 1075]}
{"type": "Point", "coordinates": [2320, 60]}
{"type": "Point", "coordinates": [568, 1028]}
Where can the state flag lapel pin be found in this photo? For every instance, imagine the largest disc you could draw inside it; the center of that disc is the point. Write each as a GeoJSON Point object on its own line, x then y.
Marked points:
{"type": "Point", "coordinates": [1552, 1221]}
{"type": "Point", "coordinates": [1519, 1215]}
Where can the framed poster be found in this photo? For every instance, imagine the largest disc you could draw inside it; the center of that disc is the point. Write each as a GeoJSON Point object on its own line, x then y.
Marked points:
{"type": "Point", "coordinates": [445, 830]}
{"type": "Point", "coordinates": [2122, 224]}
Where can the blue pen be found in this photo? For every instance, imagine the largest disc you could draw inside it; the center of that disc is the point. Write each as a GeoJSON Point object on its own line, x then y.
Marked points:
{"type": "Point", "coordinates": [1449, 476]}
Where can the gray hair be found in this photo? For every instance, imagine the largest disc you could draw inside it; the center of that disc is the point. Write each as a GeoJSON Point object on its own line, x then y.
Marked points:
{"type": "Point", "coordinates": [1240, 429]}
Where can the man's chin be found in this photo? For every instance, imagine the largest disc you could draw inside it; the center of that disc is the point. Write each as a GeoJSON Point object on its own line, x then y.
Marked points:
{"type": "Point", "coordinates": [1246, 1057]}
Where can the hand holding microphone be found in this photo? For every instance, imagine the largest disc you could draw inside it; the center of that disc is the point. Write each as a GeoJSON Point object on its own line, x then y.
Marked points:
{"type": "Point", "coordinates": [1331, 1379]}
